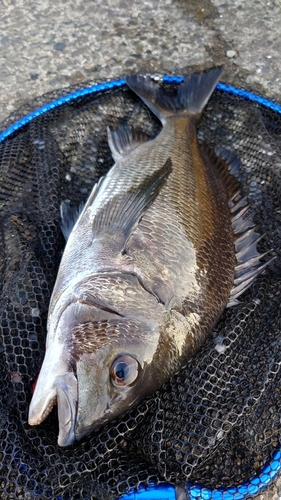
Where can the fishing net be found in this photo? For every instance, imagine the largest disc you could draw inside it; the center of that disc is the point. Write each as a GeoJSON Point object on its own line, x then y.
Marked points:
{"type": "Point", "coordinates": [216, 422]}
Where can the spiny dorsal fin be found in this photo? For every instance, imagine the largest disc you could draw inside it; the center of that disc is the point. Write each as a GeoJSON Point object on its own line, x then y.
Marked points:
{"type": "Point", "coordinates": [124, 140]}
{"type": "Point", "coordinates": [241, 284]}
{"type": "Point", "coordinates": [230, 158]}
{"type": "Point", "coordinates": [247, 255]}
{"type": "Point", "coordinates": [192, 94]}
{"type": "Point", "coordinates": [124, 210]}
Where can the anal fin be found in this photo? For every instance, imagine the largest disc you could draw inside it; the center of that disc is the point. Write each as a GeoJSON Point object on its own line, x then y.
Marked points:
{"type": "Point", "coordinates": [69, 216]}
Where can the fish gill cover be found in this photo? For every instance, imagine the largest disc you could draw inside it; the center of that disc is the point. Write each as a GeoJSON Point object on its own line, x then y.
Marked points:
{"type": "Point", "coordinates": [216, 422]}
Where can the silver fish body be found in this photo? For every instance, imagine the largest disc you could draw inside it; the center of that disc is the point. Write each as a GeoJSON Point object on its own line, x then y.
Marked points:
{"type": "Point", "coordinates": [146, 272]}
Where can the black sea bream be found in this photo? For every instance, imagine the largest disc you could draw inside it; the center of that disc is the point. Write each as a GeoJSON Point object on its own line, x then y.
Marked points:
{"type": "Point", "coordinates": [148, 267]}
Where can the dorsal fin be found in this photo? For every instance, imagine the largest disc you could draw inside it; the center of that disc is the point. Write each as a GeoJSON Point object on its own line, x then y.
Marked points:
{"type": "Point", "coordinates": [247, 255]}
{"type": "Point", "coordinates": [124, 140]}
{"type": "Point", "coordinates": [230, 159]}
{"type": "Point", "coordinates": [227, 164]}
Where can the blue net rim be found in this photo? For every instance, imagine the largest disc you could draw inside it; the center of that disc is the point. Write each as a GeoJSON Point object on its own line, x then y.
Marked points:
{"type": "Point", "coordinates": [270, 471]}
{"type": "Point", "coordinates": [197, 491]}
{"type": "Point", "coordinates": [115, 84]}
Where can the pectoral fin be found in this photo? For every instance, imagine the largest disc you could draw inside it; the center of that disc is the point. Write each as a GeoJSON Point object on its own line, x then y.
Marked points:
{"type": "Point", "coordinates": [123, 211]}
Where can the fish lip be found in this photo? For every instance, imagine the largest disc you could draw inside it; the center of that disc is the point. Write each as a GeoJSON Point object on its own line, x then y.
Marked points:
{"type": "Point", "coordinates": [64, 393]}
{"type": "Point", "coordinates": [67, 391]}
{"type": "Point", "coordinates": [48, 410]}
{"type": "Point", "coordinates": [36, 416]}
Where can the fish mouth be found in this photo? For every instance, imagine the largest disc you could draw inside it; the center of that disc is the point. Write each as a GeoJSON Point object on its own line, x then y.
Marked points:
{"type": "Point", "coordinates": [44, 414]}
{"type": "Point", "coordinates": [64, 393]}
{"type": "Point", "coordinates": [39, 409]}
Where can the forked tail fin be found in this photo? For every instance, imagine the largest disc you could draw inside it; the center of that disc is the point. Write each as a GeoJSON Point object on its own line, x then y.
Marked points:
{"type": "Point", "coordinates": [192, 94]}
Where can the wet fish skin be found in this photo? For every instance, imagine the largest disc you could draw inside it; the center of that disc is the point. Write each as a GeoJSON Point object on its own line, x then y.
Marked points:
{"type": "Point", "coordinates": [140, 284]}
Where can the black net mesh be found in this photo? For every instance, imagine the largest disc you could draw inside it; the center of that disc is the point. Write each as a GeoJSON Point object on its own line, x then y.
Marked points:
{"type": "Point", "coordinates": [218, 420]}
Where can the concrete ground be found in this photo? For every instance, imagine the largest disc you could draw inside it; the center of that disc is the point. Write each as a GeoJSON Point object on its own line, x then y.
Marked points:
{"type": "Point", "coordinates": [51, 44]}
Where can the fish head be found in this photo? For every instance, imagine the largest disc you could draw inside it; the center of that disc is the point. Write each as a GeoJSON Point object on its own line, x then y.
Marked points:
{"type": "Point", "coordinates": [99, 373]}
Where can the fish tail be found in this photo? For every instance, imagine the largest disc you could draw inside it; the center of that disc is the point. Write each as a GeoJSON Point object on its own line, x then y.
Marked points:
{"type": "Point", "coordinates": [191, 95]}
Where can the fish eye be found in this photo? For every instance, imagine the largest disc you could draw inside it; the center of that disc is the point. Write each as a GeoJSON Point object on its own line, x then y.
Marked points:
{"type": "Point", "coordinates": [124, 371]}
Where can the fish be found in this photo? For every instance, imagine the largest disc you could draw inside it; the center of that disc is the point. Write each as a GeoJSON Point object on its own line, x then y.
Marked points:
{"type": "Point", "coordinates": [160, 248]}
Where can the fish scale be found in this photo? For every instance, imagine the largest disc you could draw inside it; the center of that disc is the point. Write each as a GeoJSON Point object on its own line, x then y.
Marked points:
{"type": "Point", "coordinates": [198, 223]}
